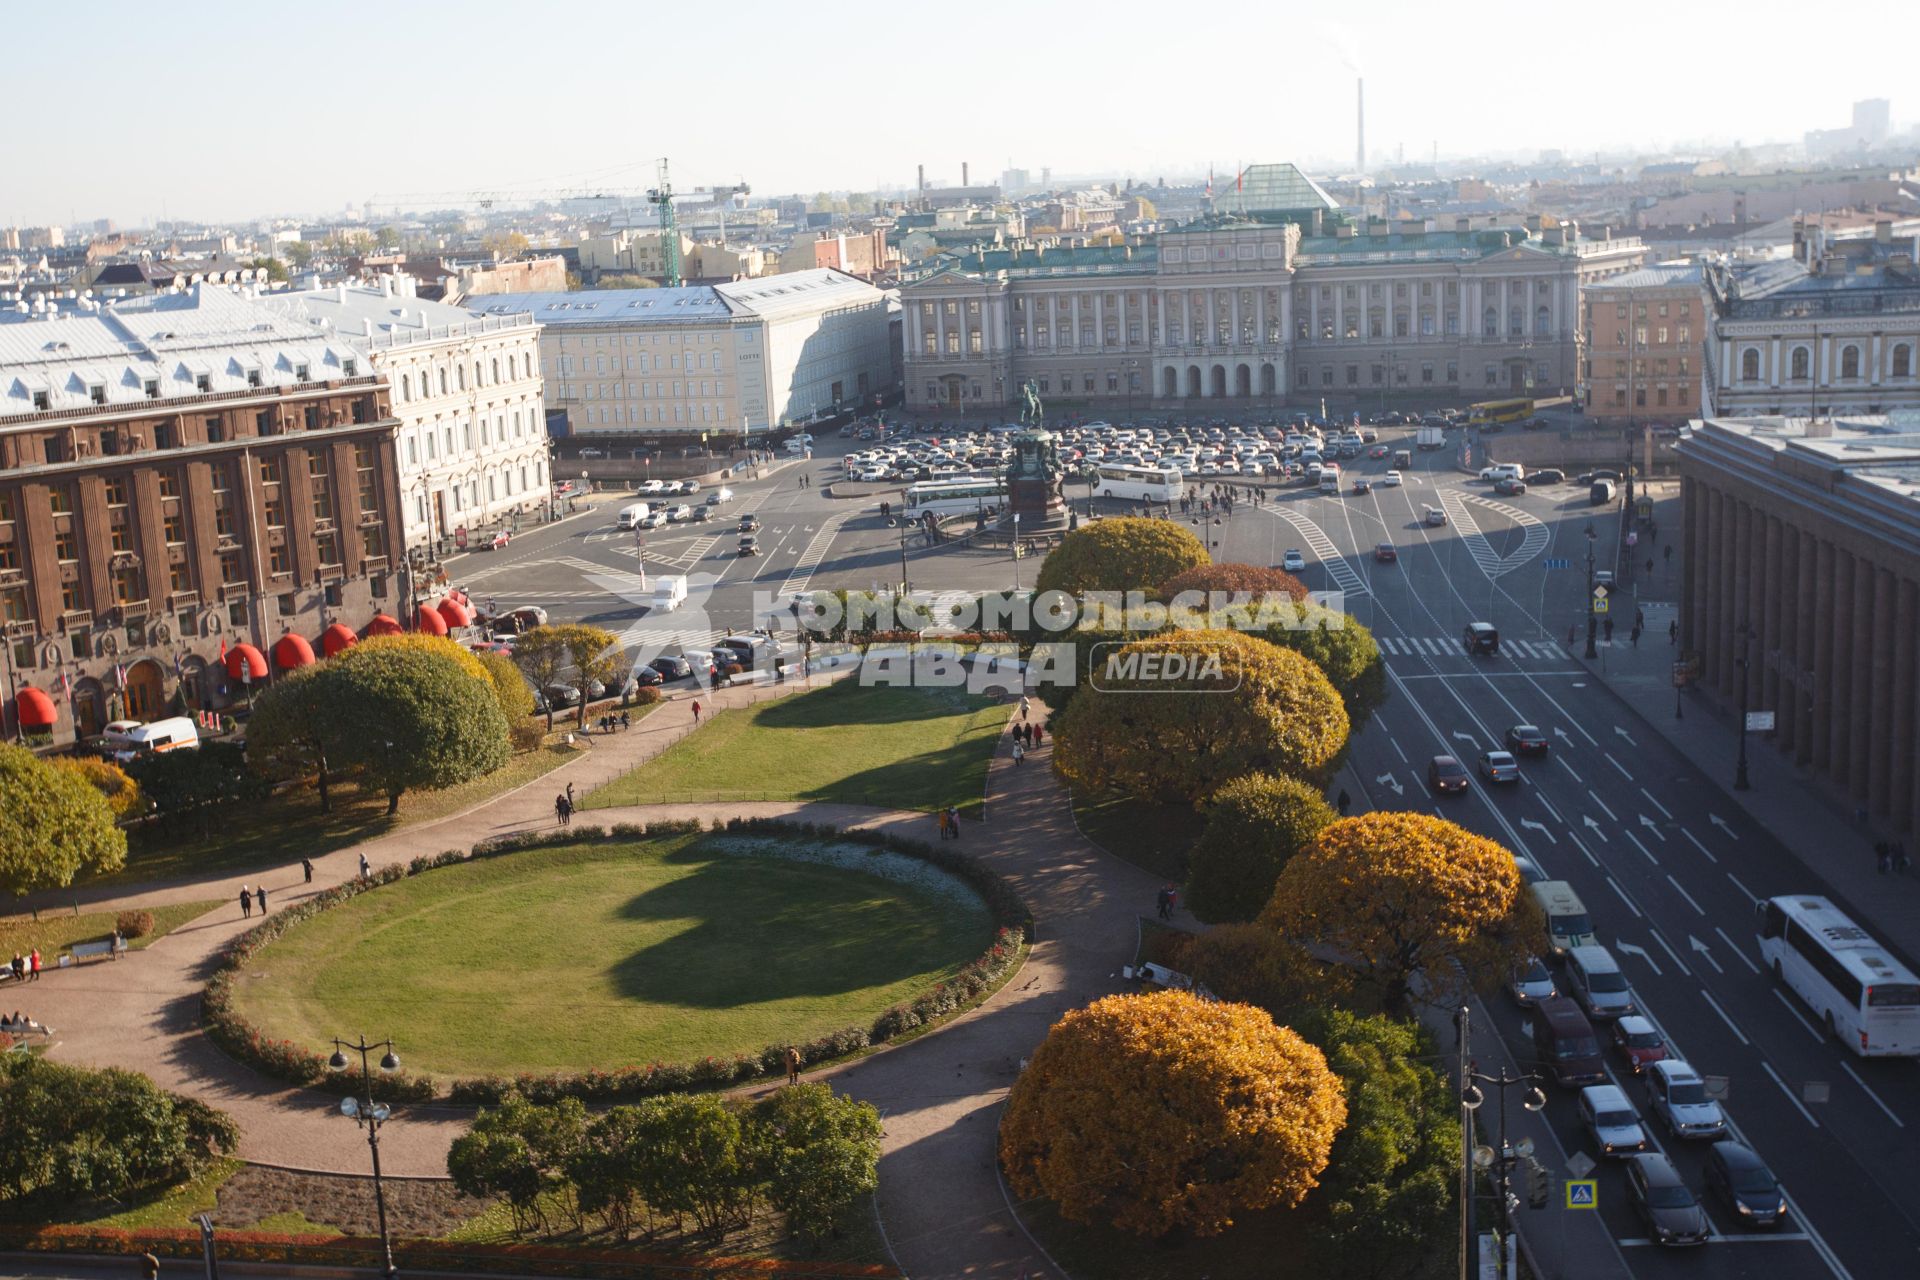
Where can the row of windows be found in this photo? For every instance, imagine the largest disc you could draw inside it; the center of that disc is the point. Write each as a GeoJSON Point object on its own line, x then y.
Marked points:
{"type": "Point", "coordinates": [442, 433]}
{"type": "Point", "coordinates": [459, 381]}
{"type": "Point", "coordinates": [1800, 362]}
{"type": "Point", "coordinates": [1303, 375]}
{"type": "Point", "coordinates": [672, 338]}
{"type": "Point", "coordinates": [499, 485]}
{"type": "Point", "coordinates": [644, 390]}
{"type": "Point", "coordinates": [1682, 334]}
{"type": "Point", "coordinates": [1682, 397]}
{"type": "Point", "coordinates": [635, 414]}
{"type": "Point", "coordinates": [567, 366]}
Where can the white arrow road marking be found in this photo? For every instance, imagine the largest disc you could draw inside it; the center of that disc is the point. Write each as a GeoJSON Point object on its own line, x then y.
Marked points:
{"type": "Point", "coordinates": [1629, 949]}
{"type": "Point", "coordinates": [1721, 823]}
{"type": "Point", "coordinates": [1541, 827]}
{"type": "Point", "coordinates": [1654, 827]}
{"type": "Point", "coordinates": [1706, 955]}
{"type": "Point", "coordinates": [1735, 948]}
{"type": "Point", "coordinates": [1623, 733]}
{"type": "Point", "coordinates": [1464, 737]}
{"type": "Point", "coordinates": [1562, 735]}
{"type": "Point", "coordinates": [1391, 781]}
{"type": "Point", "coordinates": [1595, 828]}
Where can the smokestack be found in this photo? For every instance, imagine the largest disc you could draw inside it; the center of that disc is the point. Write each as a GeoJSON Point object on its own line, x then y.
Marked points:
{"type": "Point", "coordinates": [1360, 142]}
{"type": "Point", "coordinates": [923, 181]}
{"type": "Point", "coordinates": [963, 173]}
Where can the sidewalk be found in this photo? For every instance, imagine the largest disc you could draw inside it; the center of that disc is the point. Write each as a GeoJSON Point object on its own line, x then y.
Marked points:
{"type": "Point", "coordinates": [1814, 822]}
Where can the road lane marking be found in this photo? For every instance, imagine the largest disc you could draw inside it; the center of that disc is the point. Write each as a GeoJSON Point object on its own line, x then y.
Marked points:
{"type": "Point", "coordinates": [1781, 996]}
{"type": "Point", "coordinates": [1675, 955]}
{"type": "Point", "coordinates": [1624, 898]}
{"type": "Point", "coordinates": [1724, 1018]}
{"type": "Point", "coordinates": [1871, 1094]}
{"type": "Point", "coordinates": [1797, 1104]}
{"type": "Point", "coordinates": [1603, 806]}
{"type": "Point", "coordinates": [1656, 804]}
{"type": "Point", "coordinates": [1397, 751]}
{"type": "Point", "coordinates": [1583, 848]}
{"type": "Point", "coordinates": [1642, 848]}
{"type": "Point", "coordinates": [1788, 1237]}
{"type": "Point", "coordinates": [1751, 895]}
{"type": "Point", "coordinates": [1736, 948]}
{"type": "Point", "coordinates": [1569, 768]}
{"type": "Point", "coordinates": [1702, 848]}
{"type": "Point", "coordinates": [1683, 893]}
{"type": "Point", "coordinates": [1616, 764]}
{"type": "Point", "coordinates": [1548, 806]}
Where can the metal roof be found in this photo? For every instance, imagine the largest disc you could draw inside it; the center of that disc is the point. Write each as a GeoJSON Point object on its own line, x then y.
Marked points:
{"type": "Point", "coordinates": [770, 297]}
{"type": "Point", "coordinates": [1271, 188]}
{"type": "Point", "coordinates": [1661, 275]}
{"type": "Point", "coordinates": [367, 316]}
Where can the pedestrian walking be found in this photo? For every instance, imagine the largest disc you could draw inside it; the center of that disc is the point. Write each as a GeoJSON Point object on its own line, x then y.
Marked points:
{"type": "Point", "coordinates": [1607, 626]}
{"type": "Point", "coordinates": [953, 820]}
{"type": "Point", "coordinates": [696, 711]}
{"type": "Point", "coordinates": [1160, 903]}
{"type": "Point", "coordinates": [1634, 635]}
{"type": "Point", "coordinates": [1883, 855]}
{"type": "Point", "coordinates": [19, 966]}
{"type": "Point", "coordinates": [1173, 898]}
{"type": "Point", "coordinates": [246, 901]}
{"type": "Point", "coordinates": [365, 866]}
{"type": "Point", "coordinates": [33, 965]}
{"type": "Point", "coordinates": [1038, 733]}
{"type": "Point", "coordinates": [1023, 706]}
{"type": "Point", "coordinates": [793, 1065]}
{"type": "Point", "coordinates": [940, 820]}
{"type": "Point", "coordinates": [1344, 802]}
{"type": "Point", "coordinates": [626, 722]}
{"type": "Point", "coordinates": [149, 1266]}
{"type": "Point", "coordinates": [569, 795]}
{"type": "Point", "coordinates": [1673, 632]}
{"type": "Point", "coordinates": [1639, 617]}
{"type": "Point", "coordinates": [560, 809]}
{"type": "Point", "coordinates": [260, 898]}
{"type": "Point", "coordinates": [1900, 862]}
{"type": "Point", "coordinates": [1019, 752]}
{"type": "Point", "coordinates": [306, 869]}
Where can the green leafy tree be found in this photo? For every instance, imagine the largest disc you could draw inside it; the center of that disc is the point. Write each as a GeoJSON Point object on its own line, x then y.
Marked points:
{"type": "Point", "coordinates": [1245, 706]}
{"type": "Point", "coordinates": [818, 1155]}
{"type": "Point", "coordinates": [509, 687]}
{"type": "Point", "coordinates": [198, 786]}
{"type": "Point", "coordinates": [1120, 554]}
{"type": "Point", "coordinates": [1254, 826]}
{"type": "Point", "coordinates": [1389, 1189]}
{"type": "Point", "coordinates": [596, 658]}
{"type": "Point", "coordinates": [1233, 579]}
{"type": "Point", "coordinates": [110, 780]}
{"type": "Point", "coordinates": [300, 254]}
{"type": "Point", "coordinates": [297, 723]}
{"type": "Point", "coordinates": [54, 825]}
{"type": "Point", "coordinates": [275, 269]}
{"type": "Point", "coordinates": [697, 1164]}
{"type": "Point", "coordinates": [416, 718]}
{"type": "Point", "coordinates": [387, 237]}
{"type": "Point", "coordinates": [541, 652]}
{"type": "Point", "coordinates": [609, 1168]}
{"type": "Point", "coordinates": [1251, 964]}
{"type": "Point", "coordinates": [1345, 650]}
{"type": "Point", "coordinates": [521, 1152]}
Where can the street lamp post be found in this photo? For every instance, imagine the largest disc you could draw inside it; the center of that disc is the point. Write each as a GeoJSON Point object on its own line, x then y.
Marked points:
{"type": "Point", "coordinates": [1471, 1097]}
{"type": "Point", "coordinates": [1014, 548]}
{"type": "Point", "coordinates": [1744, 634]}
{"type": "Point", "coordinates": [372, 1114]}
{"type": "Point", "coordinates": [1593, 619]}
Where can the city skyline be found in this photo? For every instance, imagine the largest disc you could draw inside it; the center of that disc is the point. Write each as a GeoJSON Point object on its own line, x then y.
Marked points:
{"type": "Point", "coordinates": [467, 110]}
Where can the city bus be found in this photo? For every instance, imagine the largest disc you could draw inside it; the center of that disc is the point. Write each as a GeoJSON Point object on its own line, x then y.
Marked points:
{"type": "Point", "coordinates": [948, 497]}
{"type": "Point", "coordinates": [1499, 411]}
{"type": "Point", "coordinates": [1139, 484]}
{"type": "Point", "coordinates": [1866, 999]}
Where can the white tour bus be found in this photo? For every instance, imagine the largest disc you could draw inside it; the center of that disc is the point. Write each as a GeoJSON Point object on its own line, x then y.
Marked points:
{"type": "Point", "coordinates": [1866, 998]}
{"type": "Point", "coordinates": [1139, 484]}
{"type": "Point", "coordinates": [946, 497]}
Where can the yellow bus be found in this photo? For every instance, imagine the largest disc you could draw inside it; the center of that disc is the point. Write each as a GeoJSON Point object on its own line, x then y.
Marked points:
{"type": "Point", "coordinates": [1499, 411]}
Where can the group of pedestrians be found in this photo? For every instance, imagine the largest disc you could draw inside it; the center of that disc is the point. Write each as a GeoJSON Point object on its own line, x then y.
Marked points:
{"type": "Point", "coordinates": [1892, 856]}
{"type": "Point", "coordinates": [1168, 898]}
{"type": "Point", "coordinates": [255, 897]}
{"type": "Point", "coordinates": [949, 821]}
{"type": "Point", "coordinates": [609, 722]}
{"type": "Point", "coordinates": [563, 806]}
{"type": "Point", "coordinates": [26, 968]}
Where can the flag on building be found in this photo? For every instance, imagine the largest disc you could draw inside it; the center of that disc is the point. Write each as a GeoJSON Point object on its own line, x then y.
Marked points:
{"type": "Point", "coordinates": [1239, 178]}
{"type": "Point", "coordinates": [120, 675]}
{"type": "Point", "coordinates": [1209, 182]}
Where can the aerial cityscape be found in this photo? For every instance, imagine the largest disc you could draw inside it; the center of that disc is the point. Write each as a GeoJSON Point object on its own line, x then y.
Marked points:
{"type": "Point", "coordinates": [673, 675]}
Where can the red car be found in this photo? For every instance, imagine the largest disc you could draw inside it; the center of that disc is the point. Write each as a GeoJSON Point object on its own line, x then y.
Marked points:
{"type": "Point", "coordinates": [499, 540]}
{"type": "Point", "coordinates": [1445, 774]}
{"type": "Point", "coordinates": [1385, 552]}
{"type": "Point", "coordinates": [1378, 451]}
{"type": "Point", "coordinates": [1638, 1042]}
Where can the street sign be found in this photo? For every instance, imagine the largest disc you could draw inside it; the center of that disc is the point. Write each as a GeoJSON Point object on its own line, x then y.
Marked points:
{"type": "Point", "coordinates": [1633, 537]}
{"type": "Point", "coordinates": [1559, 564]}
{"type": "Point", "coordinates": [1600, 591]}
{"type": "Point", "coordinates": [1760, 721]}
{"type": "Point", "coordinates": [1583, 1193]}
{"type": "Point", "coordinates": [1599, 603]}
{"type": "Point", "coordinates": [1715, 1087]}
{"type": "Point", "coordinates": [1580, 1164]}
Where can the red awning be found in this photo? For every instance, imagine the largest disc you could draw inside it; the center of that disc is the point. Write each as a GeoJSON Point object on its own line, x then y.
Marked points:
{"type": "Point", "coordinates": [292, 651]}
{"type": "Point", "coordinates": [382, 625]}
{"type": "Point", "coordinates": [455, 613]}
{"type": "Point", "coordinates": [35, 709]}
{"type": "Point", "coordinates": [340, 636]}
{"type": "Point", "coordinates": [429, 622]}
{"type": "Point", "coordinates": [256, 662]}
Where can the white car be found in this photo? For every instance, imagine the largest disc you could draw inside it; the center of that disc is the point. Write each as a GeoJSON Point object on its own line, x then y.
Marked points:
{"type": "Point", "coordinates": [654, 486]}
{"type": "Point", "coordinates": [1492, 473]}
{"type": "Point", "coordinates": [1293, 561]}
{"type": "Point", "coordinates": [1611, 1120]}
{"type": "Point", "coordinates": [679, 513]}
{"type": "Point", "coordinates": [1532, 982]}
{"type": "Point", "coordinates": [1679, 1097]}
{"type": "Point", "coordinates": [1391, 480]}
{"type": "Point", "coordinates": [655, 519]}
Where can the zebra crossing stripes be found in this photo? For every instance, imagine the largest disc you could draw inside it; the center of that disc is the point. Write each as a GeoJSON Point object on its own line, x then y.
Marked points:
{"type": "Point", "coordinates": [815, 552]}
{"type": "Point", "coordinates": [1325, 552]}
{"type": "Point", "coordinates": [1450, 647]}
{"type": "Point", "coordinates": [1534, 535]}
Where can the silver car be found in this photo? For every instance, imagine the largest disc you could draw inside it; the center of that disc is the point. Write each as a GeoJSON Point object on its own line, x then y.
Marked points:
{"type": "Point", "coordinates": [1679, 1097]}
{"type": "Point", "coordinates": [1611, 1120]}
{"type": "Point", "coordinates": [1532, 982]}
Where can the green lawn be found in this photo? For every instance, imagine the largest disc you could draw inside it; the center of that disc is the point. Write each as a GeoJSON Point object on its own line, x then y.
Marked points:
{"type": "Point", "coordinates": [609, 955]}
{"type": "Point", "coordinates": [848, 743]}
{"type": "Point", "coordinates": [1153, 837]}
{"type": "Point", "coordinates": [289, 826]}
{"type": "Point", "coordinates": [57, 929]}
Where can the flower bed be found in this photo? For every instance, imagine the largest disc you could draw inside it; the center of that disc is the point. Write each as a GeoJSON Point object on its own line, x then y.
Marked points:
{"type": "Point", "coordinates": [286, 1060]}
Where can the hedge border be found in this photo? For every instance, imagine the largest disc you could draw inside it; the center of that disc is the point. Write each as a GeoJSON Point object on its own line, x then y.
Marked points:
{"type": "Point", "coordinates": [286, 1060]}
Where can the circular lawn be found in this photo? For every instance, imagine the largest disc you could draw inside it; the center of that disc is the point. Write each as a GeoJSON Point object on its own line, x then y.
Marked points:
{"type": "Point", "coordinates": [615, 954]}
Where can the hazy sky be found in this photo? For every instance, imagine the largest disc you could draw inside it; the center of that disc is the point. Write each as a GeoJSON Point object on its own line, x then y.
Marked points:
{"type": "Point", "coordinates": [225, 110]}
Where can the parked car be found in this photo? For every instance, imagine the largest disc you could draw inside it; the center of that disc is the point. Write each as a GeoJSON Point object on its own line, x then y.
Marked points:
{"type": "Point", "coordinates": [1530, 871]}
{"type": "Point", "coordinates": [1638, 1042]}
{"type": "Point", "coordinates": [560, 695]}
{"type": "Point", "coordinates": [1499, 766]}
{"type": "Point", "coordinates": [498, 542]}
{"type": "Point", "coordinates": [1679, 1097]}
{"type": "Point", "coordinates": [645, 676]}
{"type": "Point", "coordinates": [672, 667]}
{"type": "Point", "coordinates": [1611, 1121]}
{"type": "Point", "coordinates": [1548, 475]}
{"type": "Point", "coordinates": [1510, 487]}
{"type": "Point", "coordinates": [1293, 561]}
{"type": "Point", "coordinates": [1532, 982]}
{"type": "Point", "coordinates": [1741, 1180]}
{"type": "Point", "coordinates": [1665, 1202]}
{"type": "Point", "coordinates": [1526, 740]}
{"type": "Point", "coordinates": [1385, 552]}
{"type": "Point", "coordinates": [1444, 773]}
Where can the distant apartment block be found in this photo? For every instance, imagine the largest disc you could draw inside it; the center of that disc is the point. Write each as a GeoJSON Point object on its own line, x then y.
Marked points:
{"type": "Point", "coordinates": [1645, 332]}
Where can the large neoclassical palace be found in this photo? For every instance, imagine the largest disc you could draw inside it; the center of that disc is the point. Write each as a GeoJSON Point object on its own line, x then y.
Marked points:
{"type": "Point", "coordinates": [1279, 296]}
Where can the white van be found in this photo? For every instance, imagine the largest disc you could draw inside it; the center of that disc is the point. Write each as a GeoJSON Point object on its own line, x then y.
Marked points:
{"type": "Point", "coordinates": [176, 733]}
{"type": "Point", "coordinates": [1504, 471]}
{"type": "Point", "coordinates": [1329, 478]}
{"type": "Point", "coordinates": [631, 516]}
{"type": "Point", "coordinates": [1595, 980]}
{"type": "Point", "coordinates": [717, 496]}
{"type": "Point", "coordinates": [1568, 925]}
{"type": "Point", "coordinates": [669, 593]}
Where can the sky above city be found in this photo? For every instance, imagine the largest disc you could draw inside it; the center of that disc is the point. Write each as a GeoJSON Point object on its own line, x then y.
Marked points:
{"type": "Point", "coordinates": [231, 111]}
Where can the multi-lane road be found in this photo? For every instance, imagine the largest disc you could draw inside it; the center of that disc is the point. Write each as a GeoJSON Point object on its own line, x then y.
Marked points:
{"type": "Point", "coordinates": [1669, 868]}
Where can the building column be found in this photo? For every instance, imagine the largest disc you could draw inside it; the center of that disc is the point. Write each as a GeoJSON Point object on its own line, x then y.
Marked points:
{"type": "Point", "coordinates": [1773, 365]}
{"type": "Point", "coordinates": [1807, 586]}
{"type": "Point", "coordinates": [1689, 577]}
{"type": "Point", "coordinates": [1739, 583]}
{"type": "Point", "coordinates": [1879, 693]}
{"type": "Point", "coordinates": [1784, 684]}
{"type": "Point", "coordinates": [1826, 596]}
{"type": "Point", "coordinates": [1839, 622]}
{"type": "Point", "coordinates": [1339, 314]}
{"type": "Point", "coordinates": [1772, 587]}
{"type": "Point", "coordinates": [1100, 321]}
{"type": "Point", "coordinates": [1860, 695]}
{"type": "Point", "coordinates": [1709, 639]}
{"type": "Point", "coordinates": [1902, 759]}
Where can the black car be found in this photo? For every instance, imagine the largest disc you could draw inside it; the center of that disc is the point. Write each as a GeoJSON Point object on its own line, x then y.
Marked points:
{"type": "Point", "coordinates": [1745, 1185]}
{"type": "Point", "coordinates": [1445, 773]}
{"type": "Point", "coordinates": [748, 524]}
{"type": "Point", "coordinates": [671, 667]}
{"type": "Point", "coordinates": [560, 695]}
{"type": "Point", "coordinates": [1548, 475]}
{"type": "Point", "coordinates": [1526, 740]}
{"type": "Point", "coordinates": [1481, 637]}
{"type": "Point", "coordinates": [646, 676]}
{"type": "Point", "coordinates": [1507, 486]}
{"type": "Point", "coordinates": [1533, 424]}
{"type": "Point", "coordinates": [1665, 1202]}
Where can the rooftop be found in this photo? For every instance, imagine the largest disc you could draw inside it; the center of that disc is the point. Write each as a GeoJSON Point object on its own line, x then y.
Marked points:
{"type": "Point", "coordinates": [1661, 275]}
{"type": "Point", "coordinates": [794, 292]}
{"type": "Point", "coordinates": [1862, 469]}
{"type": "Point", "coordinates": [378, 316]}
{"type": "Point", "coordinates": [1271, 188]}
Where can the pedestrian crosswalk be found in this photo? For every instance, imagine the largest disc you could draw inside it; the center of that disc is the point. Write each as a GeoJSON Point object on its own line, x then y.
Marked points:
{"type": "Point", "coordinates": [1451, 647]}
{"type": "Point", "coordinates": [1534, 535]}
{"type": "Point", "coordinates": [1324, 551]}
{"type": "Point", "coordinates": [815, 552]}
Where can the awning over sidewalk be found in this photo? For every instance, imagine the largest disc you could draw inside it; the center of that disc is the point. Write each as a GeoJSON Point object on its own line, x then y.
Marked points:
{"type": "Point", "coordinates": [455, 613]}
{"type": "Point", "coordinates": [291, 652]}
{"type": "Point", "coordinates": [427, 621]}
{"type": "Point", "coordinates": [339, 637]}
{"type": "Point", "coordinates": [251, 660]}
{"type": "Point", "coordinates": [382, 625]}
{"type": "Point", "coordinates": [35, 709]}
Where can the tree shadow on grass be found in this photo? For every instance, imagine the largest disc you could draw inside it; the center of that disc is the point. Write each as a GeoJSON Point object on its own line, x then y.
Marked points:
{"type": "Point", "coordinates": [954, 774]}
{"type": "Point", "coordinates": [765, 930]}
{"type": "Point", "coordinates": [848, 703]}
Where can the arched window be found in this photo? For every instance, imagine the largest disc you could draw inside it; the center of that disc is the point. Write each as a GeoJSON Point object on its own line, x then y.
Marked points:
{"type": "Point", "coordinates": [496, 370]}
{"type": "Point", "coordinates": [1849, 362]}
{"type": "Point", "coordinates": [460, 373]}
{"type": "Point", "coordinates": [1542, 322]}
{"type": "Point", "coordinates": [478, 381]}
{"type": "Point", "coordinates": [1750, 365]}
{"type": "Point", "coordinates": [1903, 361]}
{"type": "Point", "coordinates": [1801, 361]}
{"type": "Point", "coordinates": [406, 388]}
{"type": "Point", "coordinates": [526, 369]}
{"type": "Point", "coordinates": [1490, 322]}
{"type": "Point", "coordinates": [443, 382]}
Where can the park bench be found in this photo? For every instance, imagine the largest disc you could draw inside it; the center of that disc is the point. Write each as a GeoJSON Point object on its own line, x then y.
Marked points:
{"type": "Point", "coordinates": [26, 1029]}
{"type": "Point", "coordinates": [111, 948]}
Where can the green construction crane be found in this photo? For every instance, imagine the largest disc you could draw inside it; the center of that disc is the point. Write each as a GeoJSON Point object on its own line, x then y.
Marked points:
{"type": "Point", "coordinates": [662, 195]}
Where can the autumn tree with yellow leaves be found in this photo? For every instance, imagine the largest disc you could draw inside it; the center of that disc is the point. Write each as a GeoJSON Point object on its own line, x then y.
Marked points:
{"type": "Point", "coordinates": [1122, 553]}
{"type": "Point", "coordinates": [1165, 1112]}
{"type": "Point", "coordinates": [1400, 896]}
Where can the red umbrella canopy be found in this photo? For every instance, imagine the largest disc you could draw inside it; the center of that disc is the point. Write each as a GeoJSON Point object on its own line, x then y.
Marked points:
{"type": "Point", "coordinates": [455, 613]}
{"type": "Point", "coordinates": [429, 622]}
{"type": "Point", "coordinates": [382, 625]}
{"type": "Point", "coordinates": [339, 637]}
{"type": "Point", "coordinates": [35, 709]}
{"type": "Point", "coordinates": [245, 656]}
{"type": "Point", "coordinates": [292, 651]}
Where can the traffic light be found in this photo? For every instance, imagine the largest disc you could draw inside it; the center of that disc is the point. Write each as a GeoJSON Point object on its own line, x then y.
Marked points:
{"type": "Point", "coordinates": [1539, 1184]}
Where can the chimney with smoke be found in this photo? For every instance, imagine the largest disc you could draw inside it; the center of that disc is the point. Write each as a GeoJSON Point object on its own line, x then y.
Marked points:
{"type": "Point", "coordinates": [1360, 143]}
